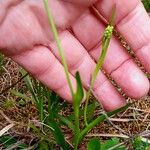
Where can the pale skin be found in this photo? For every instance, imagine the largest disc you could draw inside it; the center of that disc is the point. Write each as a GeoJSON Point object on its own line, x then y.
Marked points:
{"type": "Point", "coordinates": [25, 37]}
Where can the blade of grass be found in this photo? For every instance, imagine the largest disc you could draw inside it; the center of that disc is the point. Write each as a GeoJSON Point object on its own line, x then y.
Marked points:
{"type": "Point", "coordinates": [20, 95]}
{"type": "Point", "coordinates": [57, 133]}
{"type": "Point", "coordinates": [40, 95]}
{"type": "Point", "coordinates": [29, 85]}
{"type": "Point", "coordinates": [78, 96]}
{"type": "Point", "coordinates": [67, 122]}
{"type": "Point", "coordinates": [37, 94]}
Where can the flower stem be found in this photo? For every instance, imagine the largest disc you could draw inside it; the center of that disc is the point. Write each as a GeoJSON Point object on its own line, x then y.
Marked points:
{"type": "Point", "coordinates": [58, 42]}
{"type": "Point", "coordinates": [105, 43]}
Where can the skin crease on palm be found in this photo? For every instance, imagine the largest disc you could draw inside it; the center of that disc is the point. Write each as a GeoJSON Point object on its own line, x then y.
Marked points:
{"type": "Point", "coordinates": [25, 36]}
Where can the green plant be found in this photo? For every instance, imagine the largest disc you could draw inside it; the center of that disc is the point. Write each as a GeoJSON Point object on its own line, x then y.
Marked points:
{"type": "Point", "coordinates": [146, 4]}
{"type": "Point", "coordinates": [77, 96]}
{"type": "Point", "coordinates": [95, 144]}
{"type": "Point", "coordinates": [46, 141]}
{"type": "Point", "coordinates": [138, 144]}
{"type": "Point", "coordinates": [48, 106]}
{"type": "Point", "coordinates": [9, 103]}
{"type": "Point", "coordinates": [8, 141]}
{"type": "Point", "coordinates": [105, 43]}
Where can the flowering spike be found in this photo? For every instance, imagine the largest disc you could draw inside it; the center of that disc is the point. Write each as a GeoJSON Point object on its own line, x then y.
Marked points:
{"type": "Point", "coordinates": [108, 32]}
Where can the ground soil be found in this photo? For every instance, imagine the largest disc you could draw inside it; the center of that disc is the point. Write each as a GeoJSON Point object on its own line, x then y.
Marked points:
{"type": "Point", "coordinates": [133, 121]}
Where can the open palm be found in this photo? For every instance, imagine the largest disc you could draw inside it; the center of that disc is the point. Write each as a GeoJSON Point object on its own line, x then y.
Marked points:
{"type": "Point", "coordinates": [25, 36]}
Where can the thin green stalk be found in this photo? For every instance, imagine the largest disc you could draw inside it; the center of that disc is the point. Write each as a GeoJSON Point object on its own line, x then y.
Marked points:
{"type": "Point", "coordinates": [105, 43]}
{"type": "Point", "coordinates": [78, 96]}
{"type": "Point", "coordinates": [76, 128]}
{"type": "Point", "coordinates": [100, 60]}
{"type": "Point", "coordinates": [58, 42]}
{"type": "Point", "coordinates": [76, 115]}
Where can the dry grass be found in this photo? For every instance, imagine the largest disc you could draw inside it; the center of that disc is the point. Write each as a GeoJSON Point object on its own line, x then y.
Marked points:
{"type": "Point", "coordinates": [134, 121]}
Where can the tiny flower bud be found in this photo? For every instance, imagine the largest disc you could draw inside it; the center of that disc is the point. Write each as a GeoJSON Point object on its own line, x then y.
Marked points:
{"type": "Point", "coordinates": [108, 32]}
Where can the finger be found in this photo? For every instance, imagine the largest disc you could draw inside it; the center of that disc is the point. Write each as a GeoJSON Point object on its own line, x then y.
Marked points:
{"type": "Point", "coordinates": [44, 66]}
{"type": "Point", "coordinates": [133, 82]}
{"type": "Point", "coordinates": [81, 2]}
{"type": "Point", "coordinates": [79, 60]}
{"type": "Point", "coordinates": [6, 5]}
{"type": "Point", "coordinates": [133, 23]}
{"type": "Point", "coordinates": [24, 24]}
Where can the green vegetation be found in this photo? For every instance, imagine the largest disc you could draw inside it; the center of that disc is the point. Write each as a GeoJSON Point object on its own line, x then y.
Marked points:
{"type": "Point", "coordinates": [114, 143]}
{"type": "Point", "coordinates": [146, 4]}
{"type": "Point", "coordinates": [80, 120]}
{"type": "Point", "coordinates": [78, 95]}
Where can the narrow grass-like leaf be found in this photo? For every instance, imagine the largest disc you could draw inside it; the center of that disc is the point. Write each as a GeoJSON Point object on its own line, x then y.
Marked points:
{"type": "Point", "coordinates": [90, 111]}
{"type": "Point", "coordinates": [41, 97]}
{"type": "Point", "coordinates": [20, 95]}
{"type": "Point", "coordinates": [37, 94]}
{"type": "Point", "coordinates": [8, 141]}
{"type": "Point", "coordinates": [29, 85]}
{"type": "Point", "coordinates": [57, 133]}
{"type": "Point", "coordinates": [67, 122]}
{"type": "Point", "coordinates": [78, 96]}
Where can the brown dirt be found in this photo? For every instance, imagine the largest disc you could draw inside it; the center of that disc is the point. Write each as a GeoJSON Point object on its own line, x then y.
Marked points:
{"type": "Point", "coordinates": [134, 121]}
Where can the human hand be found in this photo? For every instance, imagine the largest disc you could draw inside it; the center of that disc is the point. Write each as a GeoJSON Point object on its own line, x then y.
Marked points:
{"type": "Point", "coordinates": [25, 36]}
